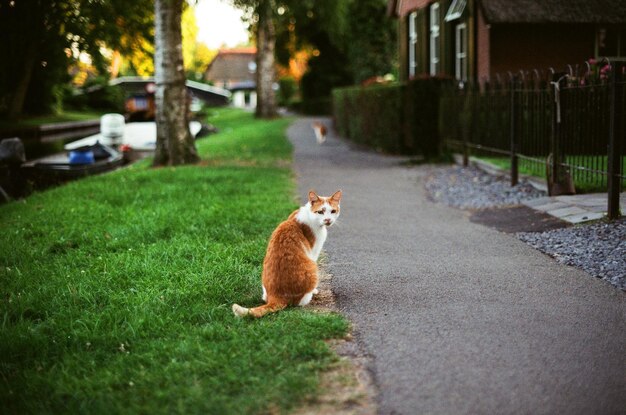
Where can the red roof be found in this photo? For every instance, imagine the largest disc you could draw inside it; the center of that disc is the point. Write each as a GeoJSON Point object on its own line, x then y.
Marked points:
{"type": "Point", "coordinates": [249, 50]}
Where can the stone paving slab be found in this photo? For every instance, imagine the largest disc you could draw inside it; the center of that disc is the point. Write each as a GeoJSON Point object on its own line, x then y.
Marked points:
{"type": "Point", "coordinates": [538, 202]}
{"type": "Point", "coordinates": [551, 206]}
{"type": "Point", "coordinates": [574, 208]}
{"type": "Point", "coordinates": [566, 211]}
{"type": "Point", "coordinates": [583, 217]}
{"type": "Point", "coordinates": [598, 209]}
{"type": "Point", "coordinates": [591, 204]}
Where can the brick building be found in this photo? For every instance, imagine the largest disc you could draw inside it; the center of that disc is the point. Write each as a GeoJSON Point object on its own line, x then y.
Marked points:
{"type": "Point", "coordinates": [235, 70]}
{"type": "Point", "coordinates": [474, 39]}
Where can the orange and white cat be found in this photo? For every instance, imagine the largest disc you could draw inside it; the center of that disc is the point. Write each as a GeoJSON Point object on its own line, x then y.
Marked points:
{"type": "Point", "coordinates": [320, 131]}
{"type": "Point", "coordinates": [290, 266]}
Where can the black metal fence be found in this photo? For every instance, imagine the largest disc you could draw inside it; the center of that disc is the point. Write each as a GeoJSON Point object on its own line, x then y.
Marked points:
{"type": "Point", "coordinates": [565, 126]}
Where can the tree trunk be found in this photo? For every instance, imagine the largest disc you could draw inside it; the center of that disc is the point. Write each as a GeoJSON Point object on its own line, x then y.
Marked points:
{"type": "Point", "coordinates": [19, 94]}
{"type": "Point", "coordinates": [266, 43]}
{"type": "Point", "coordinates": [175, 145]}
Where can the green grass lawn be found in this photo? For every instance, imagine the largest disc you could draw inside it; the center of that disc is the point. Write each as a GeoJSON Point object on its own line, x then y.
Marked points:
{"type": "Point", "coordinates": [115, 291]}
{"type": "Point", "coordinates": [585, 183]}
{"type": "Point", "coordinates": [34, 121]}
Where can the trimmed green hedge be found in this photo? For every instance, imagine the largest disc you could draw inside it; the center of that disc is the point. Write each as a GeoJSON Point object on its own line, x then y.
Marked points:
{"type": "Point", "coordinates": [397, 118]}
{"type": "Point", "coordinates": [371, 116]}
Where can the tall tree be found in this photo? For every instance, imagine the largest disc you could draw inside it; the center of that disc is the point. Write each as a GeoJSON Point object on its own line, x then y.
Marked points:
{"type": "Point", "coordinates": [175, 145]}
{"type": "Point", "coordinates": [320, 24]}
{"type": "Point", "coordinates": [265, 60]}
{"type": "Point", "coordinates": [261, 14]}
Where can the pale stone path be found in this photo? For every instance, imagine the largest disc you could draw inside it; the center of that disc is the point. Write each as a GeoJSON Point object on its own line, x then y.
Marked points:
{"type": "Point", "coordinates": [456, 317]}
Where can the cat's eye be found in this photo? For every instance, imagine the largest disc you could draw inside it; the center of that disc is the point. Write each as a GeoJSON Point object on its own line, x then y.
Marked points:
{"type": "Point", "coordinates": [333, 211]}
{"type": "Point", "coordinates": [321, 212]}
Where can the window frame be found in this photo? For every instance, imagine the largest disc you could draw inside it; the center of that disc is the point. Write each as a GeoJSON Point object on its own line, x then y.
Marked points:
{"type": "Point", "coordinates": [620, 41]}
{"type": "Point", "coordinates": [413, 38]}
{"type": "Point", "coordinates": [435, 38]}
{"type": "Point", "coordinates": [460, 52]}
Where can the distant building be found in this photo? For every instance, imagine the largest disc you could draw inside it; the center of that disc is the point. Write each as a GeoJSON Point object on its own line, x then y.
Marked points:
{"type": "Point", "coordinates": [474, 39]}
{"type": "Point", "coordinates": [235, 70]}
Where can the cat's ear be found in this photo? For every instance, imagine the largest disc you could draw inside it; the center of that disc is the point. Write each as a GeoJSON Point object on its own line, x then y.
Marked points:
{"type": "Point", "coordinates": [336, 196]}
{"type": "Point", "coordinates": [313, 197]}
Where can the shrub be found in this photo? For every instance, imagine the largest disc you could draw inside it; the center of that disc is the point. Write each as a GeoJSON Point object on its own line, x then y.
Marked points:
{"type": "Point", "coordinates": [97, 94]}
{"type": "Point", "coordinates": [396, 118]}
{"type": "Point", "coordinates": [108, 98]}
{"type": "Point", "coordinates": [371, 116]}
{"type": "Point", "coordinates": [316, 106]}
{"type": "Point", "coordinates": [287, 90]}
{"type": "Point", "coordinates": [422, 116]}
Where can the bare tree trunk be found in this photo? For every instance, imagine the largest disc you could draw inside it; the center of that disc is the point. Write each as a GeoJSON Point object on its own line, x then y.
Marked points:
{"type": "Point", "coordinates": [175, 145]}
{"type": "Point", "coordinates": [266, 43]}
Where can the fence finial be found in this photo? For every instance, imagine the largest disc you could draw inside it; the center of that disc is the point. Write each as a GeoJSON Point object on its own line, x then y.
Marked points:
{"type": "Point", "coordinates": [557, 96]}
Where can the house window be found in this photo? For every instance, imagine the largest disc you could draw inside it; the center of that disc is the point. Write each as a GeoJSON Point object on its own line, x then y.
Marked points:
{"type": "Point", "coordinates": [412, 44]}
{"type": "Point", "coordinates": [460, 68]}
{"type": "Point", "coordinates": [434, 39]}
{"type": "Point", "coordinates": [610, 42]}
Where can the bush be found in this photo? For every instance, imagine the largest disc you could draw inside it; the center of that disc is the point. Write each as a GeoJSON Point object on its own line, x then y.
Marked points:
{"type": "Point", "coordinates": [316, 106]}
{"type": "Point", "coordinates": [422, 116]}
{"type": "Point", "coordinates": [396, 118]}
{"type": "Point", "coordinates": [287, 90]}
{"type": "Point", "coordinates": [108, 98]}
{"type": "Point", "coordinates": [372, 116]}
{"type": "Point", "coordinates": [96, 95]}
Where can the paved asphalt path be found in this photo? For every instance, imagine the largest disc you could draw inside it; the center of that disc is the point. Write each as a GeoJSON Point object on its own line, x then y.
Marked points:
{"type": "Point", "coordinates": [458, 318]}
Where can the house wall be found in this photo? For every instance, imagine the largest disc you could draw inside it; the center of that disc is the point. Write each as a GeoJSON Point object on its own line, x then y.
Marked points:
{"type": "Point", "coordinates": [228, 69]}
{"type": "Point", "coordinates": [483, 47]}
{"type": "Point", "coordinates": [525, 46]}
{"type": "Point", "coordinates": [447, 39]}
{"type": "Point", "coordinates": [494, 48]}
{"type": "Point", "coordinates": [422, 44]}
{"type": "Point", "coordinates": [472, 47]}
{"type": "Point", "coordinates": [447, 35]}
{"type": "Point", "coordinates": [407, 6]}
{"type": "Point", "coordinates": [403, 48]}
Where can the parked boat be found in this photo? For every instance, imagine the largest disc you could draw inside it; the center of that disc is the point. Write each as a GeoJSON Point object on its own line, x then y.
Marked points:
{"type": "Point", "coordinates": [80, 162]}
{"type": "Point", "coordinates": [140, 136]}
{"type": "Point", "coordinates": [118, 142]}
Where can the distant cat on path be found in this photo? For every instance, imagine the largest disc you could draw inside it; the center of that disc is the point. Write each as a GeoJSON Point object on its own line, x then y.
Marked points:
{"type": "Point", "coordinates": [290, 266]}
{"type": "Point", "coordinates": [320, 132]}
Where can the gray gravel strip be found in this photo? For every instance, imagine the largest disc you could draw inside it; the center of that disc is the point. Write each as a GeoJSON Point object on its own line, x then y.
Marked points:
{"type": "Point", "coordinates": [599, 248]}
{"type": "Point", "coordinates": [471, 188]}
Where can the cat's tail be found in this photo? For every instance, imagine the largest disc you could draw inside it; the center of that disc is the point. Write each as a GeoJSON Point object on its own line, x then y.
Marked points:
{"type": "Point", "coordinates": [257, 311]}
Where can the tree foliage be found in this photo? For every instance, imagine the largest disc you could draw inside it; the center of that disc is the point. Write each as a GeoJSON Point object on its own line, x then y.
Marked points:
{"type": "Point", "coordinates": [370, 40]}
{"type": "Point", "coordinates": [350, 40]}
{"type": "Point", "coordinates": [196, 55]}
{"type": "Point", "coordinates": [41, 37]}
{"type": "Point", "coordinates": [353, 39]}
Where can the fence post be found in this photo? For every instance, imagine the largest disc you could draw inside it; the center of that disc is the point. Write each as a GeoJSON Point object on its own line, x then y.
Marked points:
{"type": "Point", "coordinates": [559, 182]}
{"type": "Point", "coordinates": [616, 134]}
{"type": "Point", "coordinates": [513, 134]}
{"type": "Point", "coordinates": [465, 124]}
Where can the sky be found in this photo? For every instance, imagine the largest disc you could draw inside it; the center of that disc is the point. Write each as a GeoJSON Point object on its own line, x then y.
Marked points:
{"type": "Point", "coordinates": [219, 23]}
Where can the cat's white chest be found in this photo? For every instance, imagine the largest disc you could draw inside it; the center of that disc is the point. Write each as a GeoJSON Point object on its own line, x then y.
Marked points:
{"type": "Point", "coordinates": [320, 238]}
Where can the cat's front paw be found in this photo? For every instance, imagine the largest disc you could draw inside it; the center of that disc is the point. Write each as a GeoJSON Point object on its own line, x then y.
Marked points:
{"type": "Point", "coordinates": [316, 291]}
